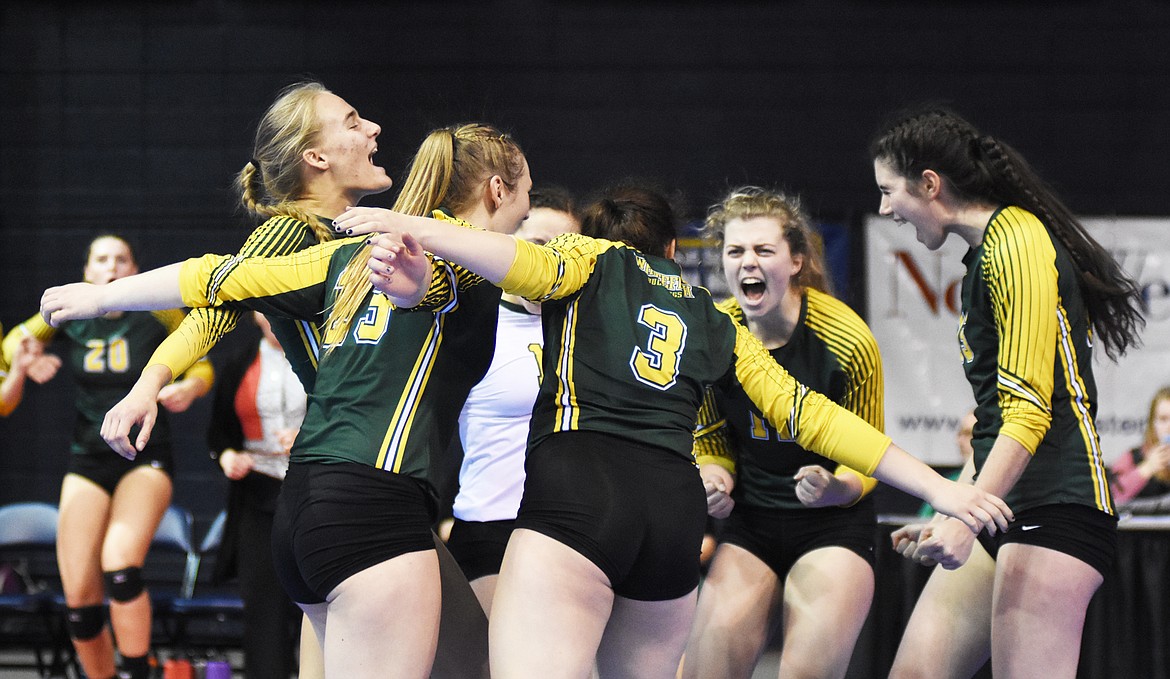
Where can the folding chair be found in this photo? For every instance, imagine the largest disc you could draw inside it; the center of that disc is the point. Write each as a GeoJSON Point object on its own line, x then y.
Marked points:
{"type": "Point", "coordinates": [31, 618]}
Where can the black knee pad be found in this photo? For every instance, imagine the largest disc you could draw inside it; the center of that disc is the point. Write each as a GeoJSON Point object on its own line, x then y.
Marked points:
{"type": "Point", "coordinates": [85, 622]}
{"type": "Point", "coordinates": [125, 584]}
{"type": "Point", "coordinates": [135, 668]}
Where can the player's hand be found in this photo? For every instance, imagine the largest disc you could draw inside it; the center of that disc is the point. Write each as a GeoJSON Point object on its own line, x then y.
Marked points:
{"type": "Point", "coordinates": [717, 483]}
{"type": "Point", "coordinates": [818, 487]}
{"type": "Point", "coordinates": [947, 542]}
{"type": "Point", "coordinates": [140, 406]}
{"type": "Point", "coordinates": [361, 221]}
{"type": "Point", "coordinates": [975, 507]}
{"type": "Point", "coordinates": [399, 269]}
{"type": "Point", "coordinates": [72, 302]}
{"type": "Point", "coordinates": [905, 539]}
{"type": "Point", "coordinates": [235, 465]}
{"type": "Point", "coordinates": [179, 396]}
{"type": "Point", "coordinates": [31, 358]}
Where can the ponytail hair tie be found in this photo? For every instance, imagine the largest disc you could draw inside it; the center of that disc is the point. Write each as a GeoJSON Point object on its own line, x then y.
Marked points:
{"type": "Point", "coordinates": [255, 164]}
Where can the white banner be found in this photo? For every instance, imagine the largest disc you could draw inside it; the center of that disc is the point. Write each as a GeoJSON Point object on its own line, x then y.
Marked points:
{"type": "Point", "coordinates": [913, 298]}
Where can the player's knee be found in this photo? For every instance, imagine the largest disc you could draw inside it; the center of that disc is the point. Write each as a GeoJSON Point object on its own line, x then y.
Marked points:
{"type": "Point", "coordinates": [85, 622]}
{"type": "Point", "coordinates": [125, 584]}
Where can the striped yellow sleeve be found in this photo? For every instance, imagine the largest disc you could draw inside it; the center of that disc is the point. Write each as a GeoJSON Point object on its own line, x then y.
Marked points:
{"type": "Point", "coordinates": [203, 328]}
{"type": "Point", "coordinates": [196, 335]}
{"type": "Point", "coordinates": [1020, 268]}
{"type": "Point", "coordinates": [202, 369]}
{"type": "Point", "coordinates": [712, 444]}
{"type": "Point", "coordinates": [554, 270]}
{"type": "Point", "coordinates": [850, 340]}
{"type": "Point", "coordinates": [34, 326]}
{"type": "Point", "coordinates": [214, 279]}
{"type": "Point", "coordinates": [812, 420]}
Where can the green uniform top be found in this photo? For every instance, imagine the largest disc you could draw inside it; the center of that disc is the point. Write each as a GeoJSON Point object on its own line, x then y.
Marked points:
{"type": "Point", "coordinates": [831, 351]}
{"type": "Point", "coordinates": [204, 327]}
{"type": "Point", "coordinates": [1026, 340]}
{"type": "Point", "coordinates": [391, 384]}
{"type": "Point", "coordinates": [106, 354]}
{"type": "Point", "coordinates": [630, 348]}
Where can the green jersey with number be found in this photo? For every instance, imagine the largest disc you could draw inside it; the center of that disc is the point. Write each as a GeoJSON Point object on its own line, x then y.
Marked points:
{"type": "Point", "coordinates": [630, 347]}
{"type": "Point", "coordinates": [1026, 342]}
{"type": "Point", "coordinates": [106, 355]}
{"type": "Point", "coordinates": [391, 383]}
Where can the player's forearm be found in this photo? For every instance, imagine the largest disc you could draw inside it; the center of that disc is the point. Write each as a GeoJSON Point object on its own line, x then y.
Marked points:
{"type": "Point", "coordinates": [1004, 466]}
{"type": "Point", "coordinates": [487, 253]}
{"type": "Point", "coordinates": [149, 291]}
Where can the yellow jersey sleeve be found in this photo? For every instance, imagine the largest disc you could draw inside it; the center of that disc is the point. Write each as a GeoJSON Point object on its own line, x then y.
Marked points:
{"type": "Point", "coordinates": [712, 443]}
{"type": "Point", "coordinates": [554, 270]}
{"type": "Point", "coordinates": [34, 326]}
{"type": "Point", "coordinates": [211, 280]}
{"type": "Point", "coordinates": [203, 328]}
{"type": "Point", "coordinates": [797, 413]}
{"type": "Point", "coordinates": [1020, 267]}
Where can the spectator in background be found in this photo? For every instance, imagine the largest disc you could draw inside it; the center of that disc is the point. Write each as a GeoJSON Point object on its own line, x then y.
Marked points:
{"type": "Point", "coordinates": [258, 409]}
{"type": "Point", "coordinates": [1144, 471]}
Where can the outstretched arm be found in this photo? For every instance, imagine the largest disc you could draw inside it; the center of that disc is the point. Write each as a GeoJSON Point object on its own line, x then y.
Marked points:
{"type": "Point", "coordinates": [486, 253]}
{"type": "Point", "coordinates": [150, 291]}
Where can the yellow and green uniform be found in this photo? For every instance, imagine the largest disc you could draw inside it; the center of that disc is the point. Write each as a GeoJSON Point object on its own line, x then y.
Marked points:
{"type": "Point", "coordinates": [630, 348]}
{"type": "Point", "coordinates": [1026, 341]}
{"type": "Point", "coordinates": [106, 354]}
{"type": "Point", "coordinates": [831, 351]}
{"type": "Point", "coordinates": [204, 327]}
{"type": "Point", "coordinates": [4, 363]}
{"type": "Point", "coordinates": [390, 385]}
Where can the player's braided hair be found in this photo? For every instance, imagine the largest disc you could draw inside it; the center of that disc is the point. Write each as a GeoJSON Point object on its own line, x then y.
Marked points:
{"type": "Point", "coordinates": [982, 168]}
{"type": "Point", "coordinates": [270, 184]}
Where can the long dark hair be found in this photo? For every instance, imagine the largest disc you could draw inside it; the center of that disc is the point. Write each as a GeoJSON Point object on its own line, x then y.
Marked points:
{"type": "Point", "coordinates": [635, 213]}
{"type": "Point", "coordinates": [982, 168]}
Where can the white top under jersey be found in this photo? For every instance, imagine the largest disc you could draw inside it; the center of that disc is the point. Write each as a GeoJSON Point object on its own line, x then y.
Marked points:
{"type": "Point", "coordinates": [493, 426]}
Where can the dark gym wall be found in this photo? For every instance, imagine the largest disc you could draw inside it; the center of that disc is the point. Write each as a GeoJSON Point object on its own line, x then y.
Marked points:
{"type": "Point", "coordinates": [133, 116]}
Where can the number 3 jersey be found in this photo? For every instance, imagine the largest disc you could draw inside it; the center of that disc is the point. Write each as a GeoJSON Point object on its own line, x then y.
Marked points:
{"type": "Point", "coordinates": [629, 348]}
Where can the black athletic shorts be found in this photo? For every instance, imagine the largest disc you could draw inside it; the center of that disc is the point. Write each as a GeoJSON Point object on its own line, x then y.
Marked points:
{"type": "Point", "coordinates": [636, 511]}
{"type": "Point", "coordinates": [106, 468]}
{"type": "Point", "coordinates": [478, 546]}
{"type": "Point", "coordinates": [335, 520]}
{"type": "Point", "coordinates": [1082, 532]}
{"type": "Point", "coordinates": [779, 537]}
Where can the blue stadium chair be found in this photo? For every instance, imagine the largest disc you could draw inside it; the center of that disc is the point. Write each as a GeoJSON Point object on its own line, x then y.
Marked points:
{"type": "Point", "coordinates": [30, 616]}
{"type": "Point", "coordinates": [216, 608]}
{"type": "Point", "coordinates": [168, 570]}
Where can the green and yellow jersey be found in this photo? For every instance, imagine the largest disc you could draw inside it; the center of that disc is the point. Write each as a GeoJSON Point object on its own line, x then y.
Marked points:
{"type": "Point", "coordinates": [4, 362]}
{"type": "Point", "coordinates": [831, 351]}
{"type": "Point", "coordinates": [630, 348]}
{"type": "Point", "coordinates": [1026, 341]}
{"type": "Point", "coordinates": [390, 384]}
{"type": "Point", "coordinates": [105, 355]}
{"type": "Point", "coordinates": [204, 327]}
